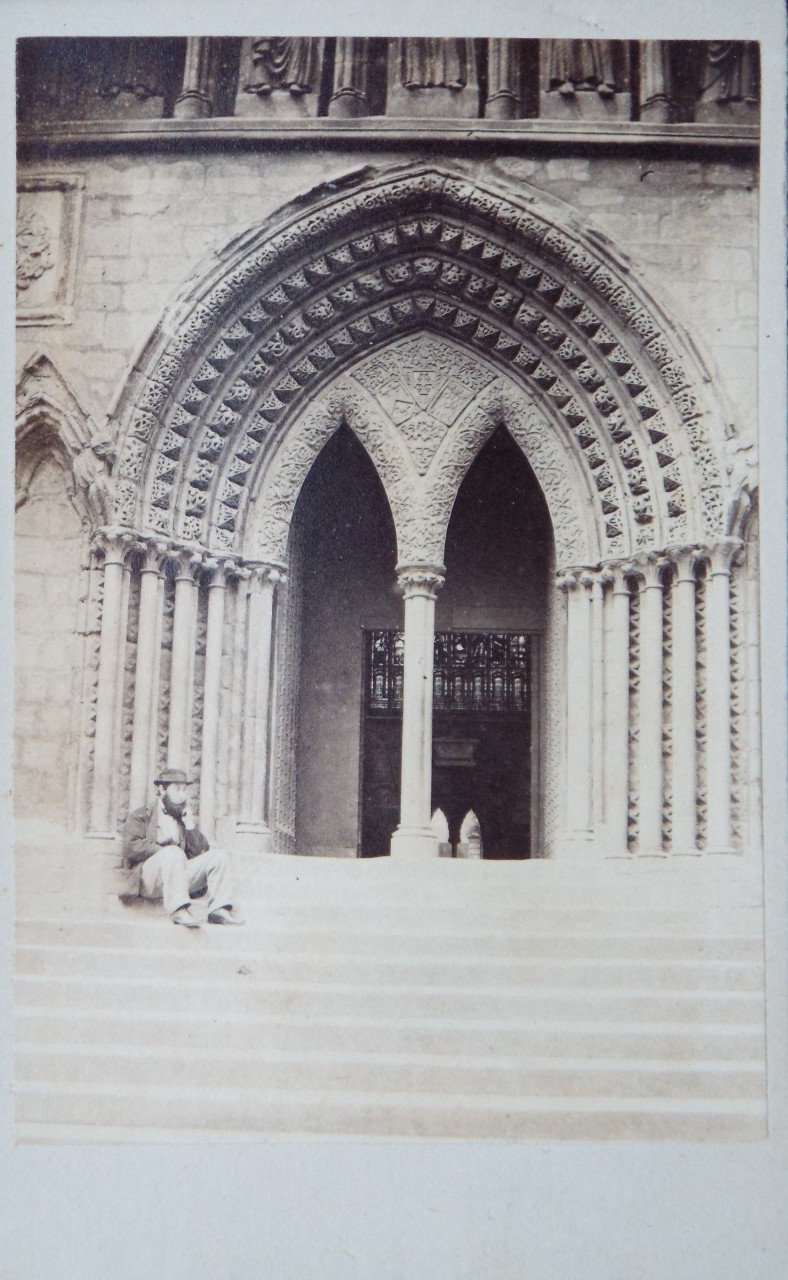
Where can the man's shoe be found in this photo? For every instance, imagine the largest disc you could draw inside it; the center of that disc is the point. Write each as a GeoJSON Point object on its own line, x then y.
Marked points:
{"type": "Point", "coordinates": [223, 915]}
{"type": "Point", "coordinates": [184, 916]}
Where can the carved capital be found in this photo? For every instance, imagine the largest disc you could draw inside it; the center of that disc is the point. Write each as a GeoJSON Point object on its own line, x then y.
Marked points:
{"type": "Point", "coordinates": [154, 552]}
{"type": "Point", "coordinates": [684, 561]}
{"type": "Point", "coordinates": [186, 563]}
{"type": "Point", "coordinates": [265, 575]}
{"type": "Point", "coordinates": [116, 544]}
{"type": "Point", "coordinates": [721, 556]}
{"type": "Point", "coordinates": [649, 571]}
{"type": "Point", "coordinates": [420, 580]}
{"type": "Point", "coordinates": [217, 570]}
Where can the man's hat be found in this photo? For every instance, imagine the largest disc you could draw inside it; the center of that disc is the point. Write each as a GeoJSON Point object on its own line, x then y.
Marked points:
{"type": "Point", "coordinates": [168, 776]}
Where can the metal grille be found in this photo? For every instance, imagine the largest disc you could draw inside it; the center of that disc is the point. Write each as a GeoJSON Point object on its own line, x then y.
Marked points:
{"type": "Point", "coordinates": [473, 671]}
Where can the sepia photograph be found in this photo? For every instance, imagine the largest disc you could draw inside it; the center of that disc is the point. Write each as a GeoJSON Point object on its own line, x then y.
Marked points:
{"type": "Point", "coordinates": [388, 714]}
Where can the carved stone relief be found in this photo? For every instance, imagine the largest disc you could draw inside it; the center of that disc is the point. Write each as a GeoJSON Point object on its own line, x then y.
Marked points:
{"type": "Point", "coordinates": [48, 216]}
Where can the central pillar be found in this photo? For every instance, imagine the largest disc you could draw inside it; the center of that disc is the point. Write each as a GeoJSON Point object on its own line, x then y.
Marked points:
{"type": "Point", "coordinates": [414, 836]}
{"type": "Point", "coordinates": [184, 635]}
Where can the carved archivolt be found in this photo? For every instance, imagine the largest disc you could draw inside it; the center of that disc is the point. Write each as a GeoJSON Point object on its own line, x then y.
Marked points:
{"type": "Point", "coordinates": [512, 282]}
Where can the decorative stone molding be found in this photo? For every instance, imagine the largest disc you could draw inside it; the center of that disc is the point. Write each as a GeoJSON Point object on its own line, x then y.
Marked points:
{"type": "Point", "coordinates": [49, 210]}
{"type": "Point", "coordinates": [515, 280]}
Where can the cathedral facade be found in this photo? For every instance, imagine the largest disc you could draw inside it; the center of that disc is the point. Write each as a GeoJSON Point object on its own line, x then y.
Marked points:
{"type": "Point", "coordinates": [387, 443]}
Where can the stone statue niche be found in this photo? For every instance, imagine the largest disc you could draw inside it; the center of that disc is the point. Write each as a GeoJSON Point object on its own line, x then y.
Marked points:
{"type": "Point", "coordinates": [279, 76]}
{"type": "Point", "coordinates": [728, 82]}
{"type": "Point", "coordinates": [99, 79]}
{"type": "Point", "coordinates": [131, 78]}
{"type": "Point", "coordinates": [584, 80]}
{"type": "Point", "coordinates": [432, 78]}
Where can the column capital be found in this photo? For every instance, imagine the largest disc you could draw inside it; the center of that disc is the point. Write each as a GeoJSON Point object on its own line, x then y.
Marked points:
{"type": "Point", "coordinates": [217, 569]}
{"type": "Point", "coordinates": [685, 560]}
{"type": "Point", "coordinates": [114, 543]}
{"type": "Point", "coordinates": [154, 552]}
{"type": "Point", "coordinates": [720, 556]}
{"type": "Point", "coordinates": [420, 580]}
{"type": "Point", "coordinates": [648, 569]}
{"type": "Point", "coordinates": [261, 574]}
{"type": "Point", "coordinates": [187, 562]}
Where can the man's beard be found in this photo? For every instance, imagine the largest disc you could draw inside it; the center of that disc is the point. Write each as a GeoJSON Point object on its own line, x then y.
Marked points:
{"type": "Point", "coordinates": [173, 809]}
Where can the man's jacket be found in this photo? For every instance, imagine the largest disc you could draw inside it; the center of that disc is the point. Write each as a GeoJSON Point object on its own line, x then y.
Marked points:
{"type": "Point", "coordinates": [139, 844]}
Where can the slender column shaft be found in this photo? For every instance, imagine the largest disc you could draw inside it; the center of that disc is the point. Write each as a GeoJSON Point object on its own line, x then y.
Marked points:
{"type": "Point", "coordinates": [753, 772]}
{"type": "Point", "coordinates": [212, 684]}
{"type": "Point", "coordinates": [685, 826]}
{"type": "Point", "coordinates": [145, 702]}
{"type": "Point", "coordinates": [617, 726]}
{"type": "Point", "coordinates": [650, 782]}
{"type": "Point", "coordinates": [579, 677]}
{"type": "Point", "coordinates": [195, 100]}
{"type": "Point", "coordinates": [414, 835]}
{"type": "Point", "coordinates": [718, 648]}
{"type": "Point", "coordinates": [184, 626]}
{"type": "Point", "coordinates": [257, 695]}
{"type": "Point", "coordinates": [598, 734]}
{"type": "Point", "coordinates": [105, 744]}
{"type": "Point", "coordinates": [238, 674]}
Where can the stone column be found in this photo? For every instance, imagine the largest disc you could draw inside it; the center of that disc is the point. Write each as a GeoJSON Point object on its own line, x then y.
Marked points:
{"type": "Point", "coordinates": [579, 686]}
{"type": "Point", "coordinates": [718, 695]}
{"type": "Point", "coordinates": [617, 718]}
{"type": "Point", "coordinates": [257, 702]}
{"type": "Point", "coordinates": [685, 747]}
{"type": "Point", "coordinates": [115, 546]}
{"type": "Point", "coordinates": [184, 638]}
{"type": "Point", "coordinates": [146, 681]}
{"type": "Point", "coordinates": [195, 100]}
{"type": "Point", "coordinates": [216, 581]}
{"type": "Point", "coordinates": [650, 781]}
{"type": "Point", "coordinates": [349, 97]}
{"type": "Point", "coordinates": [504, 94]}
{"type": "Point", "coordinates": [600, 581]}
{"type": "Point", "coordinates": [414, 836]}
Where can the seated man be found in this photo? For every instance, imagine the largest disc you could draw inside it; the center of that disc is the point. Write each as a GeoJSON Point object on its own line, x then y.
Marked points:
{"type": "Point", "coordinates": [166, 856]}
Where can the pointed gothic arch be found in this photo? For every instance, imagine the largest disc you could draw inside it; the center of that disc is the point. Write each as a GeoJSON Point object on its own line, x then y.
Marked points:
{"type": "Point", "coordinates": [340, 274]}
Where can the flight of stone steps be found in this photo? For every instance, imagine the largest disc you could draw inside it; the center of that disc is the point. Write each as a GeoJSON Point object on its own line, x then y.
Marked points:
{"type": "Point", "coordinates": [381, 1000]}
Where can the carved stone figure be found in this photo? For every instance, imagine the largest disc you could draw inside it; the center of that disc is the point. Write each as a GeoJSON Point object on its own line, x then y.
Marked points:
{"type": "Point", "coordinates": [574, 65]}
{"type": "Point", "coordinates": [91, 470]}
{"type": "Point", "coordinates": [279, 62]}
{"type": "Point", "coordinates": [730, 72]}
{"type": "Point", "coordinates": [426, 63]}
{"type": "Point", "coordinates": [33, 249]}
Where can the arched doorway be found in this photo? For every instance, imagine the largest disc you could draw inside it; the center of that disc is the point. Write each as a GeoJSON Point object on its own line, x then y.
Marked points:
{"type": "Point", "coordinates": [491, 618]}
{"type": "Point", "coordinates": [344, 571]}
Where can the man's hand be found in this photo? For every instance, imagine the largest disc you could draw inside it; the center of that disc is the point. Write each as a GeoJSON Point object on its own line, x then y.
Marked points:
{"type": "Point", "coordinates": [187, 818]}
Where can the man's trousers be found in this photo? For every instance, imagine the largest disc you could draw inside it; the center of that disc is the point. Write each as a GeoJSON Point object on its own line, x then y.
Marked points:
{"type": "Point", "coordinates": [170, 875]}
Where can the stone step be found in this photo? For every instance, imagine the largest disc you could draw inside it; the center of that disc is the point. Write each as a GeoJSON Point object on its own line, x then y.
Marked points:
{"type": "Point", "coordinates": [452, 1036]}
{"type": "Point", "coordinates": [275, 934]}
{"type": "Point", "coordinates": [246, 993]}
{"type": "Point", "coordinates": [397, 1073]}
{"type": "Point", "coordinates": [390, 968]}
{"type": "Point", "coordinates": [142, 1110]}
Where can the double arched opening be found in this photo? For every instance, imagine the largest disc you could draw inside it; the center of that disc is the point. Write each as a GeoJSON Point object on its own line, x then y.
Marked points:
{"type": "Point", "coordinates": [490, 631]}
